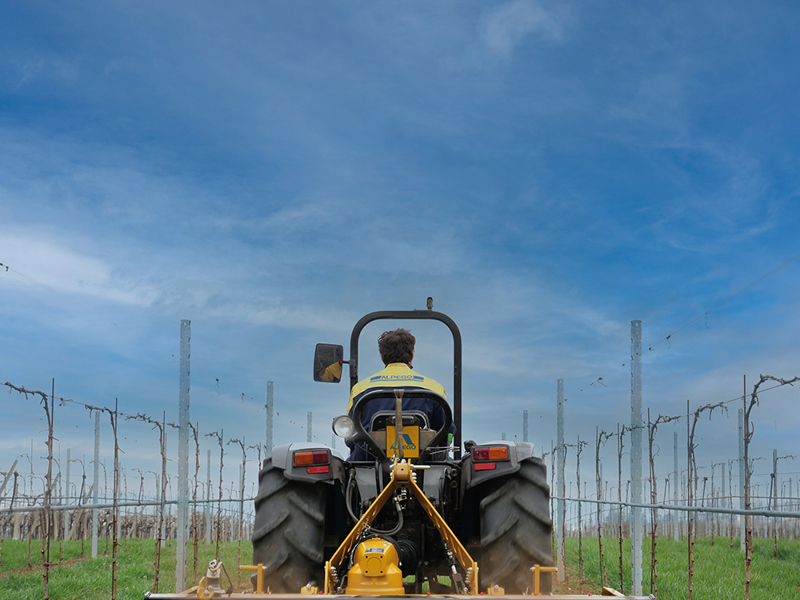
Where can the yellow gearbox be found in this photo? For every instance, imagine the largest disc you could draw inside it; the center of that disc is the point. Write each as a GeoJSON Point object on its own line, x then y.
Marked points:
{"type": "Point", "coordinates": [375, 571]}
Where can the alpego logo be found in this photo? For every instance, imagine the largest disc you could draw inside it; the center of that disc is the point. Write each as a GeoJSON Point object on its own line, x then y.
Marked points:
{"type": "Point", "coordinates": [416, 378]}
{"type": "Point", "coordinates": [408, 444]}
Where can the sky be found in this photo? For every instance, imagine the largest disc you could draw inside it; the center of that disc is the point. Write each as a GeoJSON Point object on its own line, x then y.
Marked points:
{"type": "Point", "coordinates": [546, 171]}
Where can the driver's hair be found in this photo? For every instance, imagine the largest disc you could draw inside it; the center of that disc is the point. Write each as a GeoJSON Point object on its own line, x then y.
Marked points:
{"type": "Point", "coordinates": [396, 346]}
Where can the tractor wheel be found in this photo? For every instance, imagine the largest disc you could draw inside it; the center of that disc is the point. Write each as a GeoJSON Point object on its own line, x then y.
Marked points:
{"type": "Point", "coordinates": [515, 530]}
{"type": "Point", "coordinates": [288, 534]}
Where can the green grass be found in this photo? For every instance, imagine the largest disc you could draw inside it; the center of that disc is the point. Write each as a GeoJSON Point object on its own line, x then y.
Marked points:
{"type": "Point", "coordinates": [719, 572]}
{"type": "Point", "coordinates": [91, 579]}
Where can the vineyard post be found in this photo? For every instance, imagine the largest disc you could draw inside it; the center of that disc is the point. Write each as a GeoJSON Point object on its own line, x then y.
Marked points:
{"type": "Point", "coordinates": [96, 484]}
{"type": "Point", "coordinates": [269, 407]}
{"type": "Point", "coordinates": [637, 520]}
{"type": "Point", "coordinates": [183, 458]}
{"type": "Point", "coordinates": [561, 504]}
{"type": "Point", "coordinates": [524, 425]}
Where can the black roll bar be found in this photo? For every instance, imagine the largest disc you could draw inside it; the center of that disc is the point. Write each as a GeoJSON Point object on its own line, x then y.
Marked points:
{"type": "Point", "coordinates": [416, 314]}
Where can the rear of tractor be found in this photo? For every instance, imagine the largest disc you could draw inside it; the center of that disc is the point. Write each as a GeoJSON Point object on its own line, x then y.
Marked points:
{"type": "Point", "coordinates": [414, 516]}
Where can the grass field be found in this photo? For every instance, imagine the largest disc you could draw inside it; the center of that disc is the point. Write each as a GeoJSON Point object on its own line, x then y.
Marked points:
{"type": "Point", "coordinates": [87, 579]}
{"type": "Point", "coordinates": [718, 575]}
{"type": "Point", "coordinates": [718, 569]}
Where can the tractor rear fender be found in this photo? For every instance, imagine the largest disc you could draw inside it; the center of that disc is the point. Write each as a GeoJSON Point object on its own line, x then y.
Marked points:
{"type": "Point", "coordinates": [284, 457]}
{"type": "Point", "coordinates": [474, 473]}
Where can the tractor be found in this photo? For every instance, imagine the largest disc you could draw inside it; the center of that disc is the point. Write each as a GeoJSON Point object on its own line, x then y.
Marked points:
{"type": "Point", "coordinates": [413, 515]}
{"type": "Point", "coordinates": [416, 515]}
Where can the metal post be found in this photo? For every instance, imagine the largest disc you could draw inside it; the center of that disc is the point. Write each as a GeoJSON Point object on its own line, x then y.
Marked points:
{"type": "Point", "coordinates": [524, 425]}
{"type": "Point", "coordinates": [182, 533]}
{"type": "Point", "coordinates": [269, 405]}
{"type": "Point", "coordinates": [742, 532]}
{"type": "Point", "coordinates": [66, 500]}
{"type": "Point", "coordinates": [676, 518]}
{"type": "Point", "coordinates": [637, 522]}
{"type": "Point", "coordinates": [308, 428]}
{"type": "Point", "coordinates": [96, 485]}
{"type": "Point", "coordinates": [560, 479]}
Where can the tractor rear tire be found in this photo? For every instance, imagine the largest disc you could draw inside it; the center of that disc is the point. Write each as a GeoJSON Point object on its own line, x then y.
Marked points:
{"type": "Point", "coordinates": [516, 530]}
{"type": "Point", "coordinates": [288, 534]}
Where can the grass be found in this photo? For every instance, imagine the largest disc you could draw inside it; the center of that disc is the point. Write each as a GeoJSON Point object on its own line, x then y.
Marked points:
{"type": "Point", "coordinates": [90, 579]}
{"type": "Point", "coordinates": [719, 570]}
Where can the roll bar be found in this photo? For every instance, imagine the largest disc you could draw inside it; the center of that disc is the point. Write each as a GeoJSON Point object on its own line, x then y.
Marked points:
{"type": "Point", "coordinates": [416, 314]}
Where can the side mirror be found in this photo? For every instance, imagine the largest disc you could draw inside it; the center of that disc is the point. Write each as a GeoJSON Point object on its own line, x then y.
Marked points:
{"type": "Point", "coordinates": [328, 361]}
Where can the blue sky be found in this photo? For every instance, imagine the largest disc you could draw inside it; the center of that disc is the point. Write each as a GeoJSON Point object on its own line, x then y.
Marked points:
{"type": "Point", "coordinates": [546, 171]}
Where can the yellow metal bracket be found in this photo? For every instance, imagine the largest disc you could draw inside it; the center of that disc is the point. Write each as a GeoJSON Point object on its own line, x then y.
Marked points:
{"type": "Point", "coordinates": [537, 571]}
{"type": "Point", "coordinates": [402, 476]}
{"type": "Point", "coordinates": [259, 569]}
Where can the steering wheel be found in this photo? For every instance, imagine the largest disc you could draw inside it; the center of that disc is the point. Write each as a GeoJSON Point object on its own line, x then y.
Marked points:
{"type": "Point", "coordinates": [384, 393]}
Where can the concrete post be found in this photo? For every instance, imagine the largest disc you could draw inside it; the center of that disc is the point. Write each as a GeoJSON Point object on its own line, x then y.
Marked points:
{"type": "Point", "coordinates": [182, 533]}
{"type": "Point", "coordinates": [308, 428]}
{"type": "Point", "coordinates": [96, 485]}
{"type": "Point", "coordinates": [561, 510]}
{"type": "Point", "coordinates": [524, 425]}
{"type": "Point", "coordinates": [637, 521]}
{"type": "Point", "coordinates": [269, 406]}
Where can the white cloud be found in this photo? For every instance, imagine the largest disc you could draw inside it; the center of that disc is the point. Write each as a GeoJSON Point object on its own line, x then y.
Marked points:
{"type": "Point", "coordinates": [56, 267]}
{"type": "Point", "coordinates": [507, 26]}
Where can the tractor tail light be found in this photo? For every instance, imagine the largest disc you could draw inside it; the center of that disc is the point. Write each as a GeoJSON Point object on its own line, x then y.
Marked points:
{"type": "Point", "coordinates": [490, 453]}
{"type": "Point", "coordinates": [313, 457]}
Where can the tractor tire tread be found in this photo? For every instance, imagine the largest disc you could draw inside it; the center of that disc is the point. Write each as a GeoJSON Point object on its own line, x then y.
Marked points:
{"type": "Point", "coordinates": [515, 529]}
{"type": "Point", "coordinates": [289, 530]}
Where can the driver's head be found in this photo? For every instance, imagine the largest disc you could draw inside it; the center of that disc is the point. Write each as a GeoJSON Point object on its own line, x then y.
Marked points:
{"type": "Point", "coordinates": [396, 346]}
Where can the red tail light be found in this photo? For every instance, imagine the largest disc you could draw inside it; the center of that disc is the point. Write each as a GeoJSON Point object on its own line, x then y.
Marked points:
{"type": "Point", "coordinates": [490, 453]}
{"type": "Point", "coordinates": [311, 457]}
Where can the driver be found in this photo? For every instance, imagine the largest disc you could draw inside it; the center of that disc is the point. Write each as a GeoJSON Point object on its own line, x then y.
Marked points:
{"type": "Point", "coordinates": [397, 351]}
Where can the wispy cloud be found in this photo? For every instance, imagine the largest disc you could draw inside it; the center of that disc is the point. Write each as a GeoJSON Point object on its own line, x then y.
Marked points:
{"type": "Point", "coordinates": [508, 25]}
